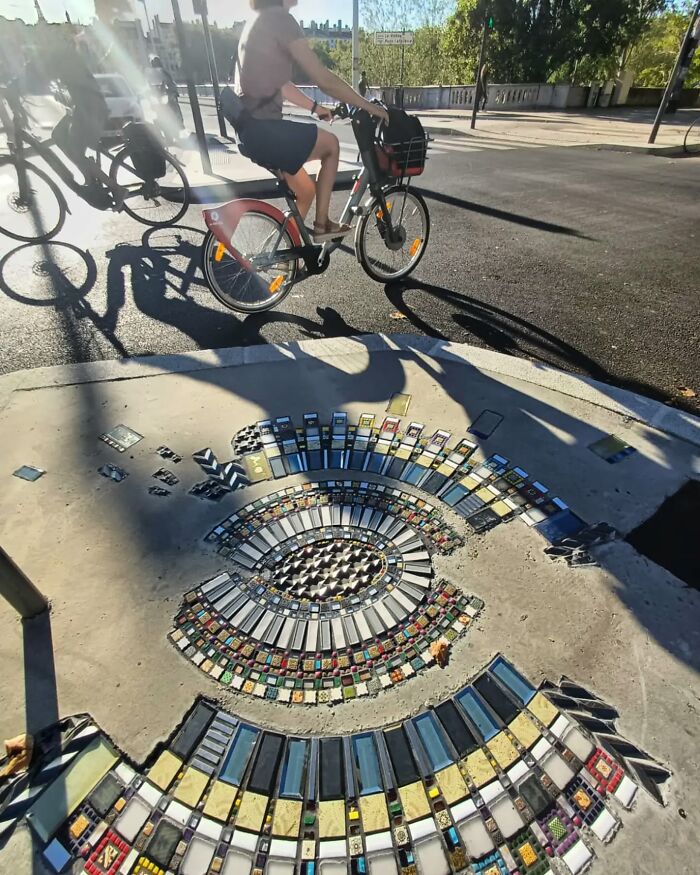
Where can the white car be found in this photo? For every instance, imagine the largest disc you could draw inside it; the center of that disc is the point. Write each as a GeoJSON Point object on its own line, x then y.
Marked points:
{"type": "Point", "coordinates": [123, 103]}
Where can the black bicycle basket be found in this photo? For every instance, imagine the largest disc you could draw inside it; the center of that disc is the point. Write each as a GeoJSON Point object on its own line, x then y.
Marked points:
{"type": "Point", "coordinates": [146, 150]}
{"type": "Point", "coordinates": [402, 147]}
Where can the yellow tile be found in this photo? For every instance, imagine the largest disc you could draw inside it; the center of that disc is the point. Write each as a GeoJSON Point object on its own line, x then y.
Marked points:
{"type": "Point", "coordinates": [353, 815]}
{"type": "Point", "coordinates": [287, 818]}
{"type": "Point", "coordinates": [528, 854]}
{"type": "Point", "coordinates": [470, 482]}
{"type": "Point", "coordinates": [189, 790]}
{"type": "Point", "coordinates": [374, 814]}
{"type": "Point", "coordinates": [445, 469]}
{"type": "Point", "coordinates": [331, 819]}
{"type": "Point", "coordinates": [503, 750]}
{"type": "Point", "coordinates": [525, 730]}
{"type": "Point", "coordinates": [414, 801]}
{"type": "Point", "coordinates": [220, 801]}
{"type": "Point", "coordinates": [164, 770]}
{"type": "Point", "coordinates": [485, 495]}
{"type": "Point", "coordinates": [501, 508]}
{"type": "Point", "coordinates": [543, 709]}
{"type": "Point", "coordinates": [479, 768]}
{"type": "Point", "coordinates": [403, 453]}
{"type": "Point", "coordinates": [252, 811]}
{"type": "Point", "coordinates": [452, 784]}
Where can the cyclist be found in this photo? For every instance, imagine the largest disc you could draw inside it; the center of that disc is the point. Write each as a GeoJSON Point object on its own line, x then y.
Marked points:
{"type": "Point", "coordinates": [165, 85]}
{"type": "Point", "coordinates": [82, 128]}
{"type": "Point", "coordinates": [271, 44]}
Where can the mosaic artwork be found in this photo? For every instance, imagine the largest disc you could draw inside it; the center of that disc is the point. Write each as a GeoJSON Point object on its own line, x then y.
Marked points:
{"type": "Point", "coordinates": [334, 597]}
{"type": "Point", "coordinates": [329, 590]}
{"type": "Point", "coordinates": [495, 779]}
{"type": "Point", "coordinates": [331, 593]}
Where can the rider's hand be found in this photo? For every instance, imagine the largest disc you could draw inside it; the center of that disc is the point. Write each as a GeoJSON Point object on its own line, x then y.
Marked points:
{"type": "Point", "coordinates": [324, 114]}
{"type": "Point", "coordinates": [379, 113]}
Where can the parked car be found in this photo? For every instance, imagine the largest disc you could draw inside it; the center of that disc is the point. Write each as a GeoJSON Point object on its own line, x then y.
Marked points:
{"type": "Point", "coordinates": [122, 101]}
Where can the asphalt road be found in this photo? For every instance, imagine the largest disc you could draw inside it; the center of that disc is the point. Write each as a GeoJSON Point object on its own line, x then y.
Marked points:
{"type": "Point", "coordinates": [587, 260]}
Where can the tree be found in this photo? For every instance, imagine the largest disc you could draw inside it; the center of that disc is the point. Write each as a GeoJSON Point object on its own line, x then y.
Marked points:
{"type": "Point", "coordinates": [323, 53]}
{"type": "Point", "coordinates": [423, 65]}
{"type": "Point", "coordinates": [653, 55]}
{"type": "Point", "coordinates": [545, 40]}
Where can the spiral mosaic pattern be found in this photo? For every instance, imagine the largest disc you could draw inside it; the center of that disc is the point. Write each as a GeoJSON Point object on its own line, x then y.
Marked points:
{"type": "Point", "coordinates": [333, 596]}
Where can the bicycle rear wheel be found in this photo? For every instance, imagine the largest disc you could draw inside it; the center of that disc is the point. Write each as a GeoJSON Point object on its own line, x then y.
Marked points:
{"type": "Point", "coordinates": [243, 290]}
{"type": "Point", "coordinates": [386, 261]}
{"type": "Point", "coordinates": [34, 211]}
{"type": "Point", "coordinates": [691, 143]}
{"type": "Point", "coordinates": [148, 200]}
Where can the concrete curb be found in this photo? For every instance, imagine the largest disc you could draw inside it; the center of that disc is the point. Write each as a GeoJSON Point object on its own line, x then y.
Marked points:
{"type": "Point", "coordinates": [626, 404]}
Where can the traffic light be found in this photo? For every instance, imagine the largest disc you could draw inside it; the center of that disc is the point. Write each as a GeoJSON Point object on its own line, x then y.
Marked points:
{"type": "Point", "coordinates": [490, 23]}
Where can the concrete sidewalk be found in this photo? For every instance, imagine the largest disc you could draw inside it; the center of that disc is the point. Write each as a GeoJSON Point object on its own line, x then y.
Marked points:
{"type": "Point", "coordinates": [116, 559]}
{"type": "Point", "coordinates": [624, 129]}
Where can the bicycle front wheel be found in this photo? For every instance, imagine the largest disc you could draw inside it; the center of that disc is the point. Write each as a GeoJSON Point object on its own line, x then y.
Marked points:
{"type": "Point", "coordinates": [241, 289]}
{"type": "Point", "coordinates": [148, 200]}
{"type": "Point", "coordinates": [691, 143]}
{"type": "Point", "coordinates": [387, 260]}
{"type": "Point", "coordinates": [32, 208]}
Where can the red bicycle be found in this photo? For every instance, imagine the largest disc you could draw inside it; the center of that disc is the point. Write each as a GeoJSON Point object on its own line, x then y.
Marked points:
{"type": "Point", "coordinates": [254, 253]}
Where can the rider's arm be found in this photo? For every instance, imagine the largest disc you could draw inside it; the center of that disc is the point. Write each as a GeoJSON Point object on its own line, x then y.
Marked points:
{"type": "Point", "coordinates": [330, 83]}
{"type": "Point", "coordinates": [292, 94]}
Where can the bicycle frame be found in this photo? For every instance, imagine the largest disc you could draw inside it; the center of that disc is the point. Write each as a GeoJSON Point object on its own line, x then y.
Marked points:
{"type": "Point", "coordinates": [222, 222]}
{"type": "Point", "coordinates": [22, 144]}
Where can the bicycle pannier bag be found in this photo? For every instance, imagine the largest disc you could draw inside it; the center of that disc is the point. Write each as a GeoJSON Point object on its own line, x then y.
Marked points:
{"type": "Point", "coordinates": [146, 150]}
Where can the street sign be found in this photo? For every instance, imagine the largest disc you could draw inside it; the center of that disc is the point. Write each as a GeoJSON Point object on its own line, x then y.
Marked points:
{"type": "Point", "coordinates": [200, 7]}
{"type": "Point", "coordinates": [394, 38]}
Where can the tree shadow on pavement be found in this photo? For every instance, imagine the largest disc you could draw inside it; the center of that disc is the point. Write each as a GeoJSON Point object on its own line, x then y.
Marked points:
{"type": "Point", "coordinates": [503, 215]}
{"type": "Point", "coordinates": [504, 332]}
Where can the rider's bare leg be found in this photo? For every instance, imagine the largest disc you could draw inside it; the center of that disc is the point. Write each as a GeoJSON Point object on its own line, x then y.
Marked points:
{"type": "Point", "coordinates": [327, 151]}
{"type": "Point", "coordinates": [304, 188]}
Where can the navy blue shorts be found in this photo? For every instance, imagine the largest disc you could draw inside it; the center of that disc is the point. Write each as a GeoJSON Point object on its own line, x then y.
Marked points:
{"type": "Point", "coordinates": [278, 144]}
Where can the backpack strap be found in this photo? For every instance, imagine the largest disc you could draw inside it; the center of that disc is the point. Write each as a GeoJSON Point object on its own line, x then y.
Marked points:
{"type": "Point", "coordinates": [261, 102]}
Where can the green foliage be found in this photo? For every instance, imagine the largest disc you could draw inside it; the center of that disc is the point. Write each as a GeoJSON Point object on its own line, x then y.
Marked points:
{"type": "Point", "coordinates": [323, 53]}
{"type": "Point", "coordinates": [541, 41]}
{"type": "Point", "coordinates": [531, 41]}
{"type": "Point", "coordinates": [652, 58]}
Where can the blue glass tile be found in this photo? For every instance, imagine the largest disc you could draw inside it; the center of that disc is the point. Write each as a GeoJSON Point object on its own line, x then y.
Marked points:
{"type": "Point", "coordinates": [294, 463]}
{"type": "Point", "coordinates": [432, 741]}
{"type": "Point", "coordinates": [367, 764]}
{"type": "Point", "coordinates": [57, 856]}
{"type": "Point", "coordinates": [452, 496]}
{"type": "Point", "coordinates": [237, 758]}
{"type": "Point", "coordinates": [415, 474]}
{"type": "Point", "coordinates": [561, 525]}
{"type": "Point", "coordinates": [376, 460]}
{"type": "Point", "coordinates": [473, 707]}
{"type": "Point", "coordinates": [515, 682]}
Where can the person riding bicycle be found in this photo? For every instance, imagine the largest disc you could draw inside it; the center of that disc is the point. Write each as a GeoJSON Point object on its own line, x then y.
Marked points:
{"type": "Point", "coordinates": [83, 126]}
{"type": "Point", "coordinates": [165, 85]}
{"type": "Point", "coordinates": [271, 44]}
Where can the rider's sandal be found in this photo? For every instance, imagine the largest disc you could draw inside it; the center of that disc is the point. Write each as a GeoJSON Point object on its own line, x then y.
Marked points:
{"type": "Point", "coordinates": [330, 231]}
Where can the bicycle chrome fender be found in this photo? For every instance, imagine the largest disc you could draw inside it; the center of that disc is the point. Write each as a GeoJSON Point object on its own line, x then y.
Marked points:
{"type": "Point", "coordinates": [222, 221]}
